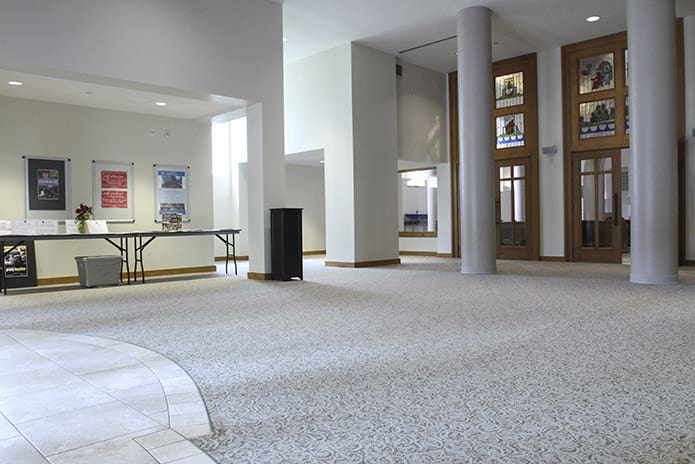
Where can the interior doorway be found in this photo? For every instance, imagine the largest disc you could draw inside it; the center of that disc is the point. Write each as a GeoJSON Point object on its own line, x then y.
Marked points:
{"type": "Point", "coordinates": [511, 207]}
{"type": "Point", "coordinates": [597, 218]}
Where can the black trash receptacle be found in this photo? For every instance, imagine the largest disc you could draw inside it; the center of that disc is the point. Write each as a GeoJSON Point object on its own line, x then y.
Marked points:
{"type": "Point", "coordinates": [95, 271]}
{"type": "Point", "coordinates": [286, 243]}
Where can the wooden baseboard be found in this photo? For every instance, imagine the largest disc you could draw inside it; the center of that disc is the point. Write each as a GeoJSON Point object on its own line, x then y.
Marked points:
{"type": "Point", "coordinates": [426, 253]}
{"type": "Point", "coordinates": [315, 252]}
{"type": "Point", "coordinates": [418, 253]}
{"type": "Point", "coordinates": [553, 258]}
{"type": "Point", "coordinates": [238, 258]}
{"type": "Point", "coordinates": [383, 262]}
{"type": "Point", "coordinates": [58, 280]}
{"type": "Point", "coordinates": [246, 258]}
{"type": "Point", "coordinates": [67, 280]}
{"type": "Point", "coordinates": [258, 276]}
{"type": "Point", "coordinates": [179, 271]}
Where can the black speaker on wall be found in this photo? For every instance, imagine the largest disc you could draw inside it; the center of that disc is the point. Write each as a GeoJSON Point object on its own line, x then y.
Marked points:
{"type": "Point", "coordinates": [286, 243]}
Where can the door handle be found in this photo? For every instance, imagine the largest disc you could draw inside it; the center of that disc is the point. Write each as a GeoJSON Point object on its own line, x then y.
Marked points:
{"type": "Point", "coordinates": [615, 208]}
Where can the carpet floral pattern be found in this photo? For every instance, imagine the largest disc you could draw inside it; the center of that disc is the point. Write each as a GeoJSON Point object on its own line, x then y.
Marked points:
{"type": "Point", "coordinates": [541, 363]}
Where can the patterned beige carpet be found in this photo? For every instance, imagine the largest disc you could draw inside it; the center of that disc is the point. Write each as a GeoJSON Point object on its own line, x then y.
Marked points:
{"type": "Point", "coordinates": [541, 363]}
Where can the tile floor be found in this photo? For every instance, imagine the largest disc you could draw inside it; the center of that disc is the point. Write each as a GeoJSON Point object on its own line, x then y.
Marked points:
{"type": "Point", "coordinates": [73, 399]}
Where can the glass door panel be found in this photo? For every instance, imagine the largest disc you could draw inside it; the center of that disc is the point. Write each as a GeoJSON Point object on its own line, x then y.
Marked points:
{"type": "Point", "coordinates": [511, 204]}
{"type": "Point", "coordinates": [597, 196]}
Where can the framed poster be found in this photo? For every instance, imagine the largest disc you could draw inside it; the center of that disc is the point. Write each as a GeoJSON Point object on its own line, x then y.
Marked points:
{"type": "Point", "coordinates": [112, 189]}
{"type": "Point", "coordinates": [171, 191]}
{"type": "Point", "coordinates": [20, 263]}
{"type": "Point", "coordinates": [47, 187]}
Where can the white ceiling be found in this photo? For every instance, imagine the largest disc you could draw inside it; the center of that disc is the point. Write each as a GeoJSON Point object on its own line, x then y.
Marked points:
{"type": "Point", "coordinates": [311, 26]}
{"type": "Point", "coordinates": [519, 26]}
{"type": "Point", "coordinates": [114, 97]}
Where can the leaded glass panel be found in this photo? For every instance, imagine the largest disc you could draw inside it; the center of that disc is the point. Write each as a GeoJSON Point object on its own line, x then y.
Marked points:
{"type": "Point", "coordinates": [627, 114]}
{"type": "Point", "coordinates": [509, 90]}
{"type": "Point", "coordinates": [596, 73]}
{"type": "Point", "coordinates": [597, 118]}
{"type": "Point", "coordinates": [510, 131]}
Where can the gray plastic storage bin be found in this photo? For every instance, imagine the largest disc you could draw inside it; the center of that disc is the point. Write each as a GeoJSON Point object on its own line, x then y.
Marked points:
{"type": "Point", "coordinates": [98, 270]}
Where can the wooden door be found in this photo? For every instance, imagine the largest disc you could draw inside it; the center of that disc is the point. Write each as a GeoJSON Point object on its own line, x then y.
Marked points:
{"type": "Point", "coordinates": [596, 206]}
{"type": "Point", "coordinates": [513, 209]}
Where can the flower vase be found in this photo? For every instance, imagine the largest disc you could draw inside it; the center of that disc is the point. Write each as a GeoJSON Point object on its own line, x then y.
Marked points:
{"type": "Point", "coordinates": [82, 227]}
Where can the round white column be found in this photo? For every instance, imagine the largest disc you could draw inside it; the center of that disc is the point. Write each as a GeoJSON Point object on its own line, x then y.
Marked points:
{"type": "Point", "coordinates": [478, 251]}
{"type": "Point", "coordinates": [653, 140]}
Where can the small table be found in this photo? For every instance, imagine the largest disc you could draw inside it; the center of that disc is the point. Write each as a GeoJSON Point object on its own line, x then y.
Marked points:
{"type": "Point", "coordinates": [120, 241]}
{"type": "Point", "coordinates": [121, 245]}
{"type": "Point", "coordinates": [143, 239]}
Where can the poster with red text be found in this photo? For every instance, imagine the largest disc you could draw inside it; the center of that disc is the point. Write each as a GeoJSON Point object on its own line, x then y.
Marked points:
{"type": "Point", "coordinates": [113, 191]}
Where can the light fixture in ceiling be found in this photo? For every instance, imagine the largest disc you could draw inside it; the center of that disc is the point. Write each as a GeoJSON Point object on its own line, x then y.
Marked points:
{"type": "Point", "coordinates": [16, 83]}
{"type": "Point", "coordinates": [593, 19]}
{"type": "Point", "coordinates": [161, 103]}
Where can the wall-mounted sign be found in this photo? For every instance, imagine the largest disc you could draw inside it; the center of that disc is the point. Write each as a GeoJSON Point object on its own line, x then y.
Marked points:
{"type": "Point", "coordinates": [171, 191]}
{"type": "Point", "coordinates": [47, 187]}
{"type": "Point", "coordinates": [113, 191]}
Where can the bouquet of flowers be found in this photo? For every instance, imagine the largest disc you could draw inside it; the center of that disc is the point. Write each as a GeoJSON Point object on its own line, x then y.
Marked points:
{"type": "Point", "coordinates": [84, 212]}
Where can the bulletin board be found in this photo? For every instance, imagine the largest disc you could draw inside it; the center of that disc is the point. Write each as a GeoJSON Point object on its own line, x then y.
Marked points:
{"type": "Point", "coordinates": [112, 187]}
{"type": "Point", "coordinates": [171, 186]}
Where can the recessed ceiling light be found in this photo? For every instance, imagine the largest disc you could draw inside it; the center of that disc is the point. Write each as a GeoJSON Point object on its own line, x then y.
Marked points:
{"type": "Point", "coordinates": [161, 104]}
{"type": "Point", "coordinates": [16, 83]}
{"type": "Point", "coordinates": [593, 19]}
{"type": "Point", "coordinates": [285, 39]}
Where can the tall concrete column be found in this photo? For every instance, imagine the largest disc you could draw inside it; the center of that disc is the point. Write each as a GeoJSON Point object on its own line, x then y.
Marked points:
{"type": "Point", "coordinates": [476, 141]}
{"type": "Point", "coordinates": [653, 140]}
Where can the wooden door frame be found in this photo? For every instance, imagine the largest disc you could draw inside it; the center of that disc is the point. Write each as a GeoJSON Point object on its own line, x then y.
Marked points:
{"type": "Point", "coordinates": [454, 166]}
{"type": "Point", "coordinates": [513, 252]}
{"type": "Point", "coordinates": [569, 129]}
{"type": "Point", "coordinates": [597, 256]}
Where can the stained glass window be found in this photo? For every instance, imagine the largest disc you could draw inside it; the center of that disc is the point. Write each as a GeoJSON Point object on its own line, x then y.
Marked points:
{"type": "Point", "coordinates": [510, 130]}
{"type": "Point", "coordinates": [597, 119]}
{"type": "Point", "coordinates": [596, 73]}
{"type": "Point", "coordinates": [627, 114]}
{"type": "Point", "coordinates": [509, 90]}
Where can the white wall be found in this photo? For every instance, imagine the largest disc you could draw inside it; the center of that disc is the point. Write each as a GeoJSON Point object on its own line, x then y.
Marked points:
{"type": "Point", "coordinates": [318, 115]}
{"type": "Point", "coordinates": [689, 40]}
{"type": "Point", "coordinates": [375, 136]}
{"type": "Point", "coordinates": [423, 141]}
{"type": "Point", "coordinates": [220, 47]}
{"type": "Point", "coordinates": [444, 209]}
{"type": "Point", "coordinates": [84, 134]}
{"type": "Point", "coordinates": [305, 189]}
{"type": "Point", "coordinates": [344, 102]}
{"type": "Point", "coordinates": [422, 123]}
{"type": "Point", "coordinates": [552, 232]}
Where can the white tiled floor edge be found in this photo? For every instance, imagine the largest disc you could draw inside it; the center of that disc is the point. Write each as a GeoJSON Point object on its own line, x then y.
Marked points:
{"type": "Point", "coordinates": [119, 378]}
